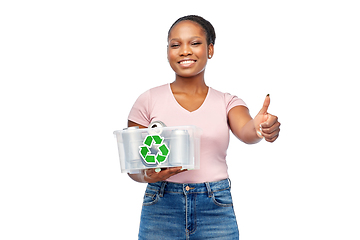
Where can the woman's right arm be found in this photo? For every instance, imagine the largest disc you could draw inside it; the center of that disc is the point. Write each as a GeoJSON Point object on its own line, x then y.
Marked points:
{"type": "Point", "coordinates": [150, 175]}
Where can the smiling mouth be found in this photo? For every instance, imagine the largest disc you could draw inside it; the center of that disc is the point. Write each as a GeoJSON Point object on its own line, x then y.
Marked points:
{"type": "Point", "coordinates": [187, 62]}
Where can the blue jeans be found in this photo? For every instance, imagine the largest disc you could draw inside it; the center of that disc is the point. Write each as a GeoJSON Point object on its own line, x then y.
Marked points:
{"type": "Point", "coordinates": [188, 211]}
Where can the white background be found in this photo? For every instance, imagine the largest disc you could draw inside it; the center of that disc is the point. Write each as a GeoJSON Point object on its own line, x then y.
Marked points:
{"type": "Point", "coordinates": [71, 70]}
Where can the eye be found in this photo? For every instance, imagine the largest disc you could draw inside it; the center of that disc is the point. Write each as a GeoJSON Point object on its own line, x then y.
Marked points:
{"type": "Point", "coordinates": [174, 45]}
{"type": "Point", "coordinates": [196, 43]}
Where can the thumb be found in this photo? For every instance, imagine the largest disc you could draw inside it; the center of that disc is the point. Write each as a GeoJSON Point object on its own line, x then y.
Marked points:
{"type": "Point", "coordinates": [265, 105]}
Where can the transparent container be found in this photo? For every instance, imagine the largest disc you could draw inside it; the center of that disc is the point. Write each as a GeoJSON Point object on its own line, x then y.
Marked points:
{"type": "Point", "coordinates": [159, 147]}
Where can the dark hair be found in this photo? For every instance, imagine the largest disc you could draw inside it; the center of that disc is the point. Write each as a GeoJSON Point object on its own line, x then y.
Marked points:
{"type": "Point", "coordinates": [206, 25]}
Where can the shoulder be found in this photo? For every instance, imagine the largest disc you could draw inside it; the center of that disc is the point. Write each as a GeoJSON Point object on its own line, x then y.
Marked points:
{"type": "Point", "coordinates": [218, 94]}
{"type": "Point", "coordinates": [224, 95]}
{"type": "Point", "coordinates": [159, 89]}
{"type": "Point", "coordinates": [229, 100]}
{"type": "Point", "coordinates": [153, 92]}
{"type": "Point", "coordinates": [156, 91]}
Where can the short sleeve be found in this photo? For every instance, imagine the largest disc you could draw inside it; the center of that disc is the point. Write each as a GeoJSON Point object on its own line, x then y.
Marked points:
{"type": "Point", "coordinates": [233, 101]}
{"type": "Point", "coordinates": [140, 112]}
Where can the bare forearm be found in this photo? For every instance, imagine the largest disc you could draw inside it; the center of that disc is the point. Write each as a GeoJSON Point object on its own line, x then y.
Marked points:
{"type": "Point", "coordinates": [138, 177]}
{"type": "Point", "coordinates": [154, 175]}
{"type": "Point", "coordinates": [248, 133]}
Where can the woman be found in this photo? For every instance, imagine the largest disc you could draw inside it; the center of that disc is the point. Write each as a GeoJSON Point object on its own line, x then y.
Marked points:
{"type": "Point", "coordinates": [196, 204]}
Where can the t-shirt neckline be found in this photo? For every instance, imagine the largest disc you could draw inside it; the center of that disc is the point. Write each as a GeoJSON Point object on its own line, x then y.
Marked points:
{"type": "Point", "coordinates": [177, 103]}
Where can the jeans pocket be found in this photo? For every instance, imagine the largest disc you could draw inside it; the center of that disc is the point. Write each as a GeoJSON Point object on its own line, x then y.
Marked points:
{"type": "Point", "coordinates": [151, 196]}
{"type": "Point", "coordinates": [222, 198]}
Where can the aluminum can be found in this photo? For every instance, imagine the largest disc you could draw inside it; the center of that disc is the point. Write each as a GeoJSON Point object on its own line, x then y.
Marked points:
{"type": "Point", "coordinates": [132, 139]}
{"type": "Point", "coordinates": [155, 128]}
{"type": "Point", "coordinates": [157, 124]}
{"type": "Point", "coordinates": [179, 148]}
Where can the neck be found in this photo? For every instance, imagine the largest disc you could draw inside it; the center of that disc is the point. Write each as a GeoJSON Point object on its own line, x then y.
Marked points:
{"type": "Point", "coordinates": [190, 84]}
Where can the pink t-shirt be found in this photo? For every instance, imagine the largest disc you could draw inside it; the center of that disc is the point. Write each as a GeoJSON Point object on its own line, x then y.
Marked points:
{"type": "Point", "coordinates": [159, 104]}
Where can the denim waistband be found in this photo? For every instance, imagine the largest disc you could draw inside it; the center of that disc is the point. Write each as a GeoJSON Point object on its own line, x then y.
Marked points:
{"type": "Point", "coordinates": [188, 188]}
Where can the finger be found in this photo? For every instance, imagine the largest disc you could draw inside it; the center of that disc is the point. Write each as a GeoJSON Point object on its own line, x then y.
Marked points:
{"type": "Point", "coordinates": [265, 105]}
{"type": "Point", "coordinates": [149, 172]}
{"type": "Point", "coordinates": [271, 129]}
{"type": "Point", "coordinates": [168, 172]}
{"type": "Point", "coordinates": [174, 169]}
{"type": "Point", "coordinates": [271, 120]}
{"type": "Point", "coordinates": [272, 139]}
{"type": "Point", "coordinates": [271, 136]}
{"type": "Point", "coordinates": [267, 128]}
{"type": "Point", "coordinates": [148, 175]}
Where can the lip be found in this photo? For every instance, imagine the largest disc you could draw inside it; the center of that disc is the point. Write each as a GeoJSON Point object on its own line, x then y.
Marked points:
{"type": "Point", "coordinates": [186, 62]}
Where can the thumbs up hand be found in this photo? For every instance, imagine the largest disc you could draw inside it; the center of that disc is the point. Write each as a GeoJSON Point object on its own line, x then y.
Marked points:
{"type": "Point", "coordinates": [267, 125]}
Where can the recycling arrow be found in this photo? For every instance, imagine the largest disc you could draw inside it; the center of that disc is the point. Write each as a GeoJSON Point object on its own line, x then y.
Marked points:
{"type": "Point", "coordinates": [161, 155]}
{"type": "Point", "coordinates": [144, 153]}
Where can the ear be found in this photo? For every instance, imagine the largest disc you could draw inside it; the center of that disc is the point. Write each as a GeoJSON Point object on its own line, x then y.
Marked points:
{"type": "Point", "coordinates": [210, 50]}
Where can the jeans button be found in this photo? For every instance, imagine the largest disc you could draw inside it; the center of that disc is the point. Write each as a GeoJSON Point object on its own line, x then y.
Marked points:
{"type": "Point", "coordinates": [187, 188]}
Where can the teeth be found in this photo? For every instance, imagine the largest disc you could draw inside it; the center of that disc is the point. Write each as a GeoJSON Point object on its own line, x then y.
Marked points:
{"type": "Point", "coordinates": [187, 62]}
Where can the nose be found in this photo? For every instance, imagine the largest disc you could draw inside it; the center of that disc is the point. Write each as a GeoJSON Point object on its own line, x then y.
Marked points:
{"type": "Point", "coordinates": [185, 50]}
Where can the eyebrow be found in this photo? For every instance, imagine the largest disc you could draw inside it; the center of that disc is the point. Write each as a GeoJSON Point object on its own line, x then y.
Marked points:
{"type": "Point", "coordinates": [177, 39]}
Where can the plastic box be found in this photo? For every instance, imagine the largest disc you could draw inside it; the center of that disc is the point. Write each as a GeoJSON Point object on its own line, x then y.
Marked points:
{"type": "Point", "coordinates": [159, 147]}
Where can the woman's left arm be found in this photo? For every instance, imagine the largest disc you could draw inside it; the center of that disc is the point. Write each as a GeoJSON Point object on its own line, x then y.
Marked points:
{"type": "Point", "coordinates": [251, 131]}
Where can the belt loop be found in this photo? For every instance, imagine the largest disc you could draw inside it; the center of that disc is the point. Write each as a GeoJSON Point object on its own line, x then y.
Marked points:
{"type": "Point", "coordinates": [229, 182]}
{"type": "Point", "coordinates": [162, 189]}
{"type": "Point", "coordinates": [209, 189]}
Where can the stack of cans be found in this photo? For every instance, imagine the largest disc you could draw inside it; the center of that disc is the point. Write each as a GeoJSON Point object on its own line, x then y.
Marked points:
{"type": "Point", "coordinates": [179, 147]}
{"type": "Point", "coordinates": [132, 139]}
{"type": "Point", "coordinates": [181, 144]}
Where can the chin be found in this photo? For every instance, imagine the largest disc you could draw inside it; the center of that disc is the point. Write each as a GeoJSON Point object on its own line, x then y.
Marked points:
{"type": "Point", "coordinates": [188, 74]}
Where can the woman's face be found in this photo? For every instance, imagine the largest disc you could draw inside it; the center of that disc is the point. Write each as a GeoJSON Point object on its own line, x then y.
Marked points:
{"type": "Point", "coordinates": [188, 51]}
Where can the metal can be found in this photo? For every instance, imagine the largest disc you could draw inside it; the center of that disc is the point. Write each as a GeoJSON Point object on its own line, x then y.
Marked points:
{"type": "Point", "coordinates": [156, 127]}
{"type": "Point", "coordinates": [179, 148]}
{"type": "Point", "coordinates": [132, 139]}
{"type": "Point", "coordinates": [157, 124]}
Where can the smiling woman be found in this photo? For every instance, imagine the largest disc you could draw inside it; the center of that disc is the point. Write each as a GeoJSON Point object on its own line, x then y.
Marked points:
{"type": "Point", "coordinates": [189, 48]}
{"type": "Point", "coordinates": [179, 203]}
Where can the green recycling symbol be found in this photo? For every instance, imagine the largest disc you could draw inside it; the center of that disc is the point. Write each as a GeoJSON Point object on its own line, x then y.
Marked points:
{"type": "Point", "coordinates": [161, 155]}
